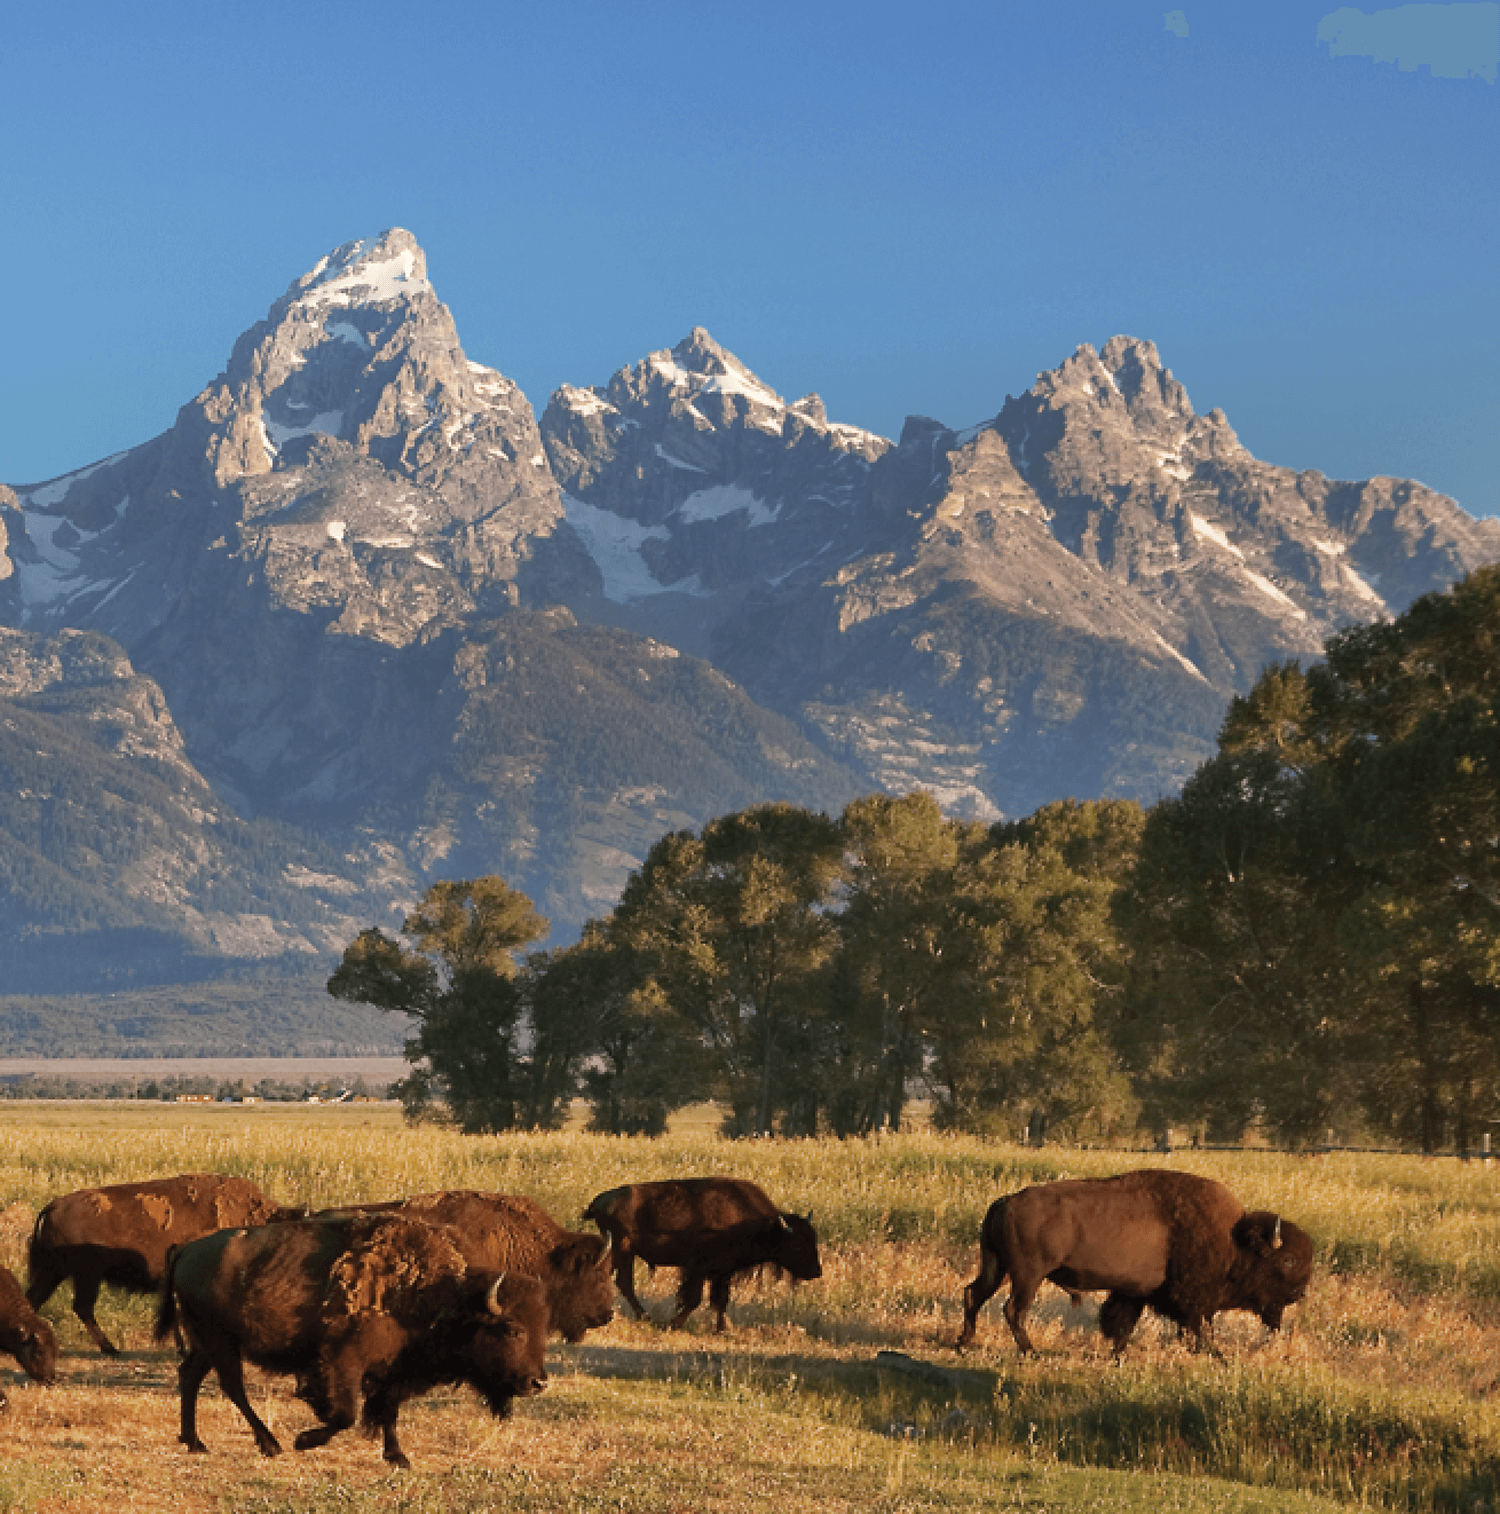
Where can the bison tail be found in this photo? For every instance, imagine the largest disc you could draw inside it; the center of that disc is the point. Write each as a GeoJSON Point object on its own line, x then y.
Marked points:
{"type": "Point", "coordinates": [34, 1244]}
{"type": "Point", "coordinates": [166, 1304]}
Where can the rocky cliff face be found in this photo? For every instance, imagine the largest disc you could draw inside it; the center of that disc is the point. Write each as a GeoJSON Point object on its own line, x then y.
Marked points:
{"type": "Point", "coordinates": [1059, 601]}
{"type": "Point", "coordinates": [383, 604]}
{"type": "Point", "coordinates": [117, 858]}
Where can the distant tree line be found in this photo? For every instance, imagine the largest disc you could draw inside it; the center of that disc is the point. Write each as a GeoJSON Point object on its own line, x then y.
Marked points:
{"type": "Point", "coordinates": [169, 1089]}
{"type": "Point", "coordinates": [1304, 940]}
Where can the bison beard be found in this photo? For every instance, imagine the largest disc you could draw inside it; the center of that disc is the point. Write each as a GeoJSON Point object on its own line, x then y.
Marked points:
{"type": "Point", "coordinates": [712, 1230]}
{"type": "Point", "coordinates": [1177, 1243]}
{"type": "Point", "coordinates": [366, 1311]}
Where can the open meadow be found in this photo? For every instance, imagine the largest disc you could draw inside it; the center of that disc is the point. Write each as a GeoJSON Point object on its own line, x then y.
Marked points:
{"type": "Point", "coordinates": [1384, 1390]}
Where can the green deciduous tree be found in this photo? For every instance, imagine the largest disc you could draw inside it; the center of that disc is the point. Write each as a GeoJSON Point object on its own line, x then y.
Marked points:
{"type": "Point", "coordinates": [732, 928]}
{"type": "Point", "coordinates": [889, 983]}
{"type": "Point", "coordinates": [455, 973]}
{"type": "Point", "coordinates": [1319, 910]}
{"type": "Point", "coordinates": [1036, 969]}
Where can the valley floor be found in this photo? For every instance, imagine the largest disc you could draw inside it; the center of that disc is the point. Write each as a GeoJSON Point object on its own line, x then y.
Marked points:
{"type": "Point", "coordinates": [839, 1395]}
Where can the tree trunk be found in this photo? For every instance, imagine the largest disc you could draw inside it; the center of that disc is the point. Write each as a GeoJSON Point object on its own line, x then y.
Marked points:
{"type": "Point", "coordinates": [1430, 1110]}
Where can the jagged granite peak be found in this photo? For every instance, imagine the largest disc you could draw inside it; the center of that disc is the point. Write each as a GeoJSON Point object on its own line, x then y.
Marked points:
{"type": "Point", "coordinates": [1029, 588]}
{"type": "Point", "coordinates": [1229, 562]}
{"type": "Point", "coordinates": [691, 483]}
{"type": "Point", "coordinates": [382, 603]}
{"type": "Point", "coordinates": [350, 460]}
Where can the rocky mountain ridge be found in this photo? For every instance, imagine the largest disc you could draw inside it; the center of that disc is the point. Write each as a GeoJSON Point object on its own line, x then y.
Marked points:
{"type": "Point", "coordinates": [384, 605]}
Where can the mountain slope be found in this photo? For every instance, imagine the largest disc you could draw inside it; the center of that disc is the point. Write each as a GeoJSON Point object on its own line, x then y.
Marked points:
{"type": "Point", "coordinates": [358, 593]}
{"type": "Point", "coordinates": [119, 863]}
{"type": "Point", "coordinates": [1059, 601]}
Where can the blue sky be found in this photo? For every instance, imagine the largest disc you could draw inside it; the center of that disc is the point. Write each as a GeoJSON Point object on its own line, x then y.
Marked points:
{"type": "Point", "coordinates": [910, 209]}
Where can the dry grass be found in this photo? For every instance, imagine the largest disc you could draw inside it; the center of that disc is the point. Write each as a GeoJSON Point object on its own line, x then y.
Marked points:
{"type": "Point", "coordinates": [841, 1394]}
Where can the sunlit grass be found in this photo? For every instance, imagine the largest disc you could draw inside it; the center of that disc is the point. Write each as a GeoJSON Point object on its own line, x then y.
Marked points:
{"type": "Point", "coordinates": [1381, 1391]}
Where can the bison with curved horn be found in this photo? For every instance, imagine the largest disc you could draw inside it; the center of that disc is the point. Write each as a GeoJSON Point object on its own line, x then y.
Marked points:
{"type": "Point", "coordinates": [366, 1311]}
{"type": "Point", "coordinates": [509, 1232]}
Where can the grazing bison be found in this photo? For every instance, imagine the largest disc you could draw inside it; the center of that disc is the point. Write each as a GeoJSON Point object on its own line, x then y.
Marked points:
{"type": "Point", "coordinates": [25, 1334]}
{"type": "Point", "coordinates": [507, 1232]}
{"type": "Point", "coordinates": [1180, 1243]}
{"type": "Point", "coordinates": [121, 1235]}
{"type": "Point", "coordinates": [711, 1229]}
{"type": "Point", "coordinates": [368, 1310]}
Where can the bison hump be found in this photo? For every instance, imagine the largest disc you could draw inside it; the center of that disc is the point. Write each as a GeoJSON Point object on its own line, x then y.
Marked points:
{"type": "Point", "coordinates": [393, 1262]}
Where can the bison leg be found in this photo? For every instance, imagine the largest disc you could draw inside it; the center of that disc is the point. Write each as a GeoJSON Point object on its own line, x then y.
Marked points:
{"type": "Point", "coordinates": [334, 1399]}
{"type": "Point", "coordinates": [623, 1265]}
{"type": "Point", "coordinates": [718, 1296]}
{"type": "Point", "coordinates": [44, 1281]}
{"type": "Point", "coordinates": [381, 1409]}
{"type": "Point", "coordinates": [689, 1296]}
{"type": "Point", "coordinates": [85, 1296]}
{"type": "Point", "coordinates": [1022, 1296]}
{"type": "Point", "coordinates": [231, 1374]}
{"type": "Point", "coordinates": [980, 1292]}
{"type": "Point", "coordinates": [1118, 1317]}
{"type": "Point", "coordinates": [191, 1371]}
{"type": "Point", "coordinates": [390, 1447]}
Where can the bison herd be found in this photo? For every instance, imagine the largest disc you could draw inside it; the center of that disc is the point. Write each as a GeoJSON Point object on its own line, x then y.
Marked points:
{"type": "Point", "coordinates": [369, 1305]}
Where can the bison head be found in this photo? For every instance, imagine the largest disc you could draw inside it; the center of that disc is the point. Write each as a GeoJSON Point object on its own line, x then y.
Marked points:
{"type": "Point", "coordinates": [581, 1292]}
{"type": "Point", "coordinates": [36, 1350]}
{"type": "Point", "coordinates": [504, 1358]}
{"type": "Point", "coordinates": [797, 1247]}
{"type": "Point", "coordinates": [1282, 1267]}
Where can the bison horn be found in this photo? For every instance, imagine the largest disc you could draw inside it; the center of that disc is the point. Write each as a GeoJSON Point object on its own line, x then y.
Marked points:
{"type": "Point", "coordinates": [1276, 1234]}
{"type": "Point", "coordinates": [492, 1299]}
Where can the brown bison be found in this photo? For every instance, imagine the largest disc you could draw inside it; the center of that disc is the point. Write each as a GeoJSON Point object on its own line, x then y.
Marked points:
{"type": "Point", "coordinates": [507, 1232]}
{"type": "Point", "coordinates": [25, 1334]}
{"type": "Point", "coordinates": [121, 1235]}
{"type": "Point", "coordinates": [711, 1229]}
{"type": "Point", "coordinates": [368, 1311]}
{"type": "Point", "coordinates": [1180, 1243]}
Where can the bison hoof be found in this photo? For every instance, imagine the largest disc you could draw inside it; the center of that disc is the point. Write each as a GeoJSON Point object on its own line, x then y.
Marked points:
{"type": "Point", "coordinates": [269, 1446]}
{"type": "Point", "coordinates": [195, 1446]}
{"type": "Point", "coordinates": [399, 1459]}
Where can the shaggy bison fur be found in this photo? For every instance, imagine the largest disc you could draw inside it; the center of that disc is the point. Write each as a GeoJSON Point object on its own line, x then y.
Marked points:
{"type": "Point", "coordinates": [507, 1232]}
{"type": "Point", "coordinates": [121, 1235]}
{"type": "Point", "coordinates": [367, 1312]}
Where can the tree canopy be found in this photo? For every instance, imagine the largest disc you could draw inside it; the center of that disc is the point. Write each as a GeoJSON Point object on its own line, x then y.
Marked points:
{"type": "Point", "coordinates": [1304, 940]}
{"type": "Point", "coordinates": [1319, 908]}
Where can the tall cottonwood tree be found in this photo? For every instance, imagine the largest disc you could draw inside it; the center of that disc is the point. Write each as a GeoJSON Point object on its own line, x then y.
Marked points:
{"type": "Point", "coordinates": [733, 928]}
{"type": "Point", "coordinates": [891, 976]}
{"type": "Point", "coordinates": [454, 972]}
{"type": "Point", "coordinates": [1035, 971]}
{"type": "Point", "coordinates": [1321, 909]}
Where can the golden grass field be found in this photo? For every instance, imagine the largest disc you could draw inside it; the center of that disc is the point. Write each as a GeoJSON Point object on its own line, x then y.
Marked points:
{"type": "Point", "coordinates": [841, 1394]}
